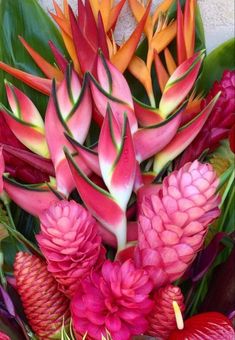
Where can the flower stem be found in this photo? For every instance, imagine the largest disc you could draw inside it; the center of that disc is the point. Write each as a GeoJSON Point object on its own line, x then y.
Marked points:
{"type": "Point", "coordinates": [7, 206]}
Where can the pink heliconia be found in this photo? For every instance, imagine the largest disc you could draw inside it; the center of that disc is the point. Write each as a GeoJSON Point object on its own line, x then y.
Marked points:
{"type": "Point", "coordinates": [116, 300]}
{"type": "Point", "coordinates": [69, 110]}
{"type": "Point", "coordinates": [112, 89]}
{"type": "Point", "coordinates": [25, 121]}
{"type": "Point", "coordinates": [117, 165]}
{"type": "Point", "coordinates": [71, 244]}
{"type": "Point", "coordinates": [173, 222]}
{"type": "Point", "coordinates": [179, 84]}
{"type": "Point", "coordinates": [32, 198]}
{"type": "Point", "coordinates": [117, 158]}
{"type": "Point", "coordinates": [183, 137]}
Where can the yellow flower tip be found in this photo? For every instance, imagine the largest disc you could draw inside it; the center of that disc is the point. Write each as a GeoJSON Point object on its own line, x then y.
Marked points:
{"type": "Point", "coordinates": [178, 315]}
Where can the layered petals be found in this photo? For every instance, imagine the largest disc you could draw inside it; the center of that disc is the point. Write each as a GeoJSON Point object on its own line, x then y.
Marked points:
{"type": "Point", "coordinates": [116, 300]}
{"type": "Point", "coordinates": [70, 242]}
{"type": "Point", "coordinates": [174, 221]}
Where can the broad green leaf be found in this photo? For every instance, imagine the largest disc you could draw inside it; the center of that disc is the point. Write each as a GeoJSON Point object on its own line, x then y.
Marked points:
{"type": "Point", "coordinates": [27, 19]}
{"type": "Point", "coordinates": [220, 59]}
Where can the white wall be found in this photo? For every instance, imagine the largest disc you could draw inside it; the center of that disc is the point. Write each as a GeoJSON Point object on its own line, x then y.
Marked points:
{"type": "Point", "coordinates": [218, 18]}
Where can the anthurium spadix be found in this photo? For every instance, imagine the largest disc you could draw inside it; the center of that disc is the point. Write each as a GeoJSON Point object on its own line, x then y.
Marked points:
{"type": "Point", "coordinates": [183, 138]}
{"type": "Point", "coordinates": [111, 88]}
{"type": "Point", "coordinates": [180, 84]}
{"type": "Point", "coordinates": [69, 110]}
{"type": "Point", "coordinates": [32, 198]}
{"type": "Point", "coordinates": [25, 121]}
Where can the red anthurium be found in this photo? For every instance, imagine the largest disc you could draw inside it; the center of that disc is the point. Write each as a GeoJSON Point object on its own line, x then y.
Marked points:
{"type": "Point", "coordinates": [205, 326]}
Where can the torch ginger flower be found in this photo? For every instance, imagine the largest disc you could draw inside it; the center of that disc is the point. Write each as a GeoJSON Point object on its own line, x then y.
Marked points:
{"type": "Point", "coordinates": [70, 242]}
{"type": "Point", "coordinates": [115, 300]}
{"type": "Point", "coordinates": [45, 306]}
{"type": "Point", "coordinates": [174, 221]}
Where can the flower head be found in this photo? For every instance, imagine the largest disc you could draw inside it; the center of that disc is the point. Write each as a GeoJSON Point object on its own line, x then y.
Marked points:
{"type": "Point", "coordinates": [173, 222]}
{"type": "Point", "coordinates": [70, 242]}
{"type": "Point", "coordinates": [116, 300]}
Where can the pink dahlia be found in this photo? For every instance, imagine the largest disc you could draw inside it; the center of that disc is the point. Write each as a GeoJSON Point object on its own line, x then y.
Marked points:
{"type": "Point", "coordinates": [70, 242]}
{"type": "Point", "coordinates": [116, 300]}
{"type": "Point", "coordinates": [162, 317]}
{"type": "Point", "coordinates": [220, 121]}
{"type": "Point", "coordinates": [174, 221]}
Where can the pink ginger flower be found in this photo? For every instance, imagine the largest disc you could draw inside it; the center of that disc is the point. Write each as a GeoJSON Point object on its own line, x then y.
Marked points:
{"type": "Point", "coordinates": [116, 300]}
{"type": "Point", "coordinates": [70, 242]}
{"type": "Point", "coordinates": [173, 222]}
{"type": "Point", "coordinates": [162, 317]}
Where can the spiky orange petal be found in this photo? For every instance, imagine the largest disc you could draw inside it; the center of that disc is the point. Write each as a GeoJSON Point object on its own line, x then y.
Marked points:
{"type": "Point", "coordinates": [162, 74]}
{"type": "Point", "coordinates": [170, 62]}
{"type": "Point", "coordinates": [189, 26]}
{"type": "Point", "coordinates": [50, 71]}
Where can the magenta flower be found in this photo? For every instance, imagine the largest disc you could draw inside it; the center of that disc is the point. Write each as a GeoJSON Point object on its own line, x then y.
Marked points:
{"type": "Point", "coordinates": [116, 300]}
{"type": "Point", "coordinates": [70, 242]}
{"type": "Point", "coordinates": [220, 121]}
{"type": "Point", "coordinates": [174, 221]}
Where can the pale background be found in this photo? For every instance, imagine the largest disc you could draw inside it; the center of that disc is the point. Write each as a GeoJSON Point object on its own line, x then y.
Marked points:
{"type": "Point", "coordinates": [218, 18]}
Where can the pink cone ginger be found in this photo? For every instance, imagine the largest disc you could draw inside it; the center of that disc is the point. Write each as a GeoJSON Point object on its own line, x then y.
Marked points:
{"type": "Point", "coordinates": [70, 242]}
{"type": "Point", "coordinates": [174, 221]}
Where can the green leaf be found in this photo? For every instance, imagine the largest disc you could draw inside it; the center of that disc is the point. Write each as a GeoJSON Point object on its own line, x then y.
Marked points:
{"type": "Point", "coordinates": [219, 60]}
{"type": "Point", "coordinates": [28, 19]}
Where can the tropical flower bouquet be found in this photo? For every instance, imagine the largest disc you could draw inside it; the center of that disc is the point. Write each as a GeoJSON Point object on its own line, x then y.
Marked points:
{"type": "Point", "coordinates": [116, 174]}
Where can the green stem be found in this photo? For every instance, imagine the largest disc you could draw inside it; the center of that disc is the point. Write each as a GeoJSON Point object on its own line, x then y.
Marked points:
{"type": "Point", "coordinates": [7, 205]}
{"type": "Point", "coordinates": [226, 211]}
{"type": "Point", "coordinates": [198, 295]}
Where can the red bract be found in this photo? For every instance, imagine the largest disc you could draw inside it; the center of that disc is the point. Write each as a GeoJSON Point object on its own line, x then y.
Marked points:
{"type": "Point", "coordinates": [70, 242]}
{"type": "Point", "coordinates": [116, 299]}
{"type": "Point", "coordinates": [220, 121]}
{"type": "Point", "coordinates": [17, 167]}
{"type": "Point", "coordinates": [173, 222]}
{"type": "Point", "coordinates": [162, 318]}
{"type": "Point", "coordinates": [206, 326]}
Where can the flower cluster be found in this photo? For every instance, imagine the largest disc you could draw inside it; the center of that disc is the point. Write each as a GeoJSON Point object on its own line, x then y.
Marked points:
{"type": "Point", "coordinates": [113, 176]}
